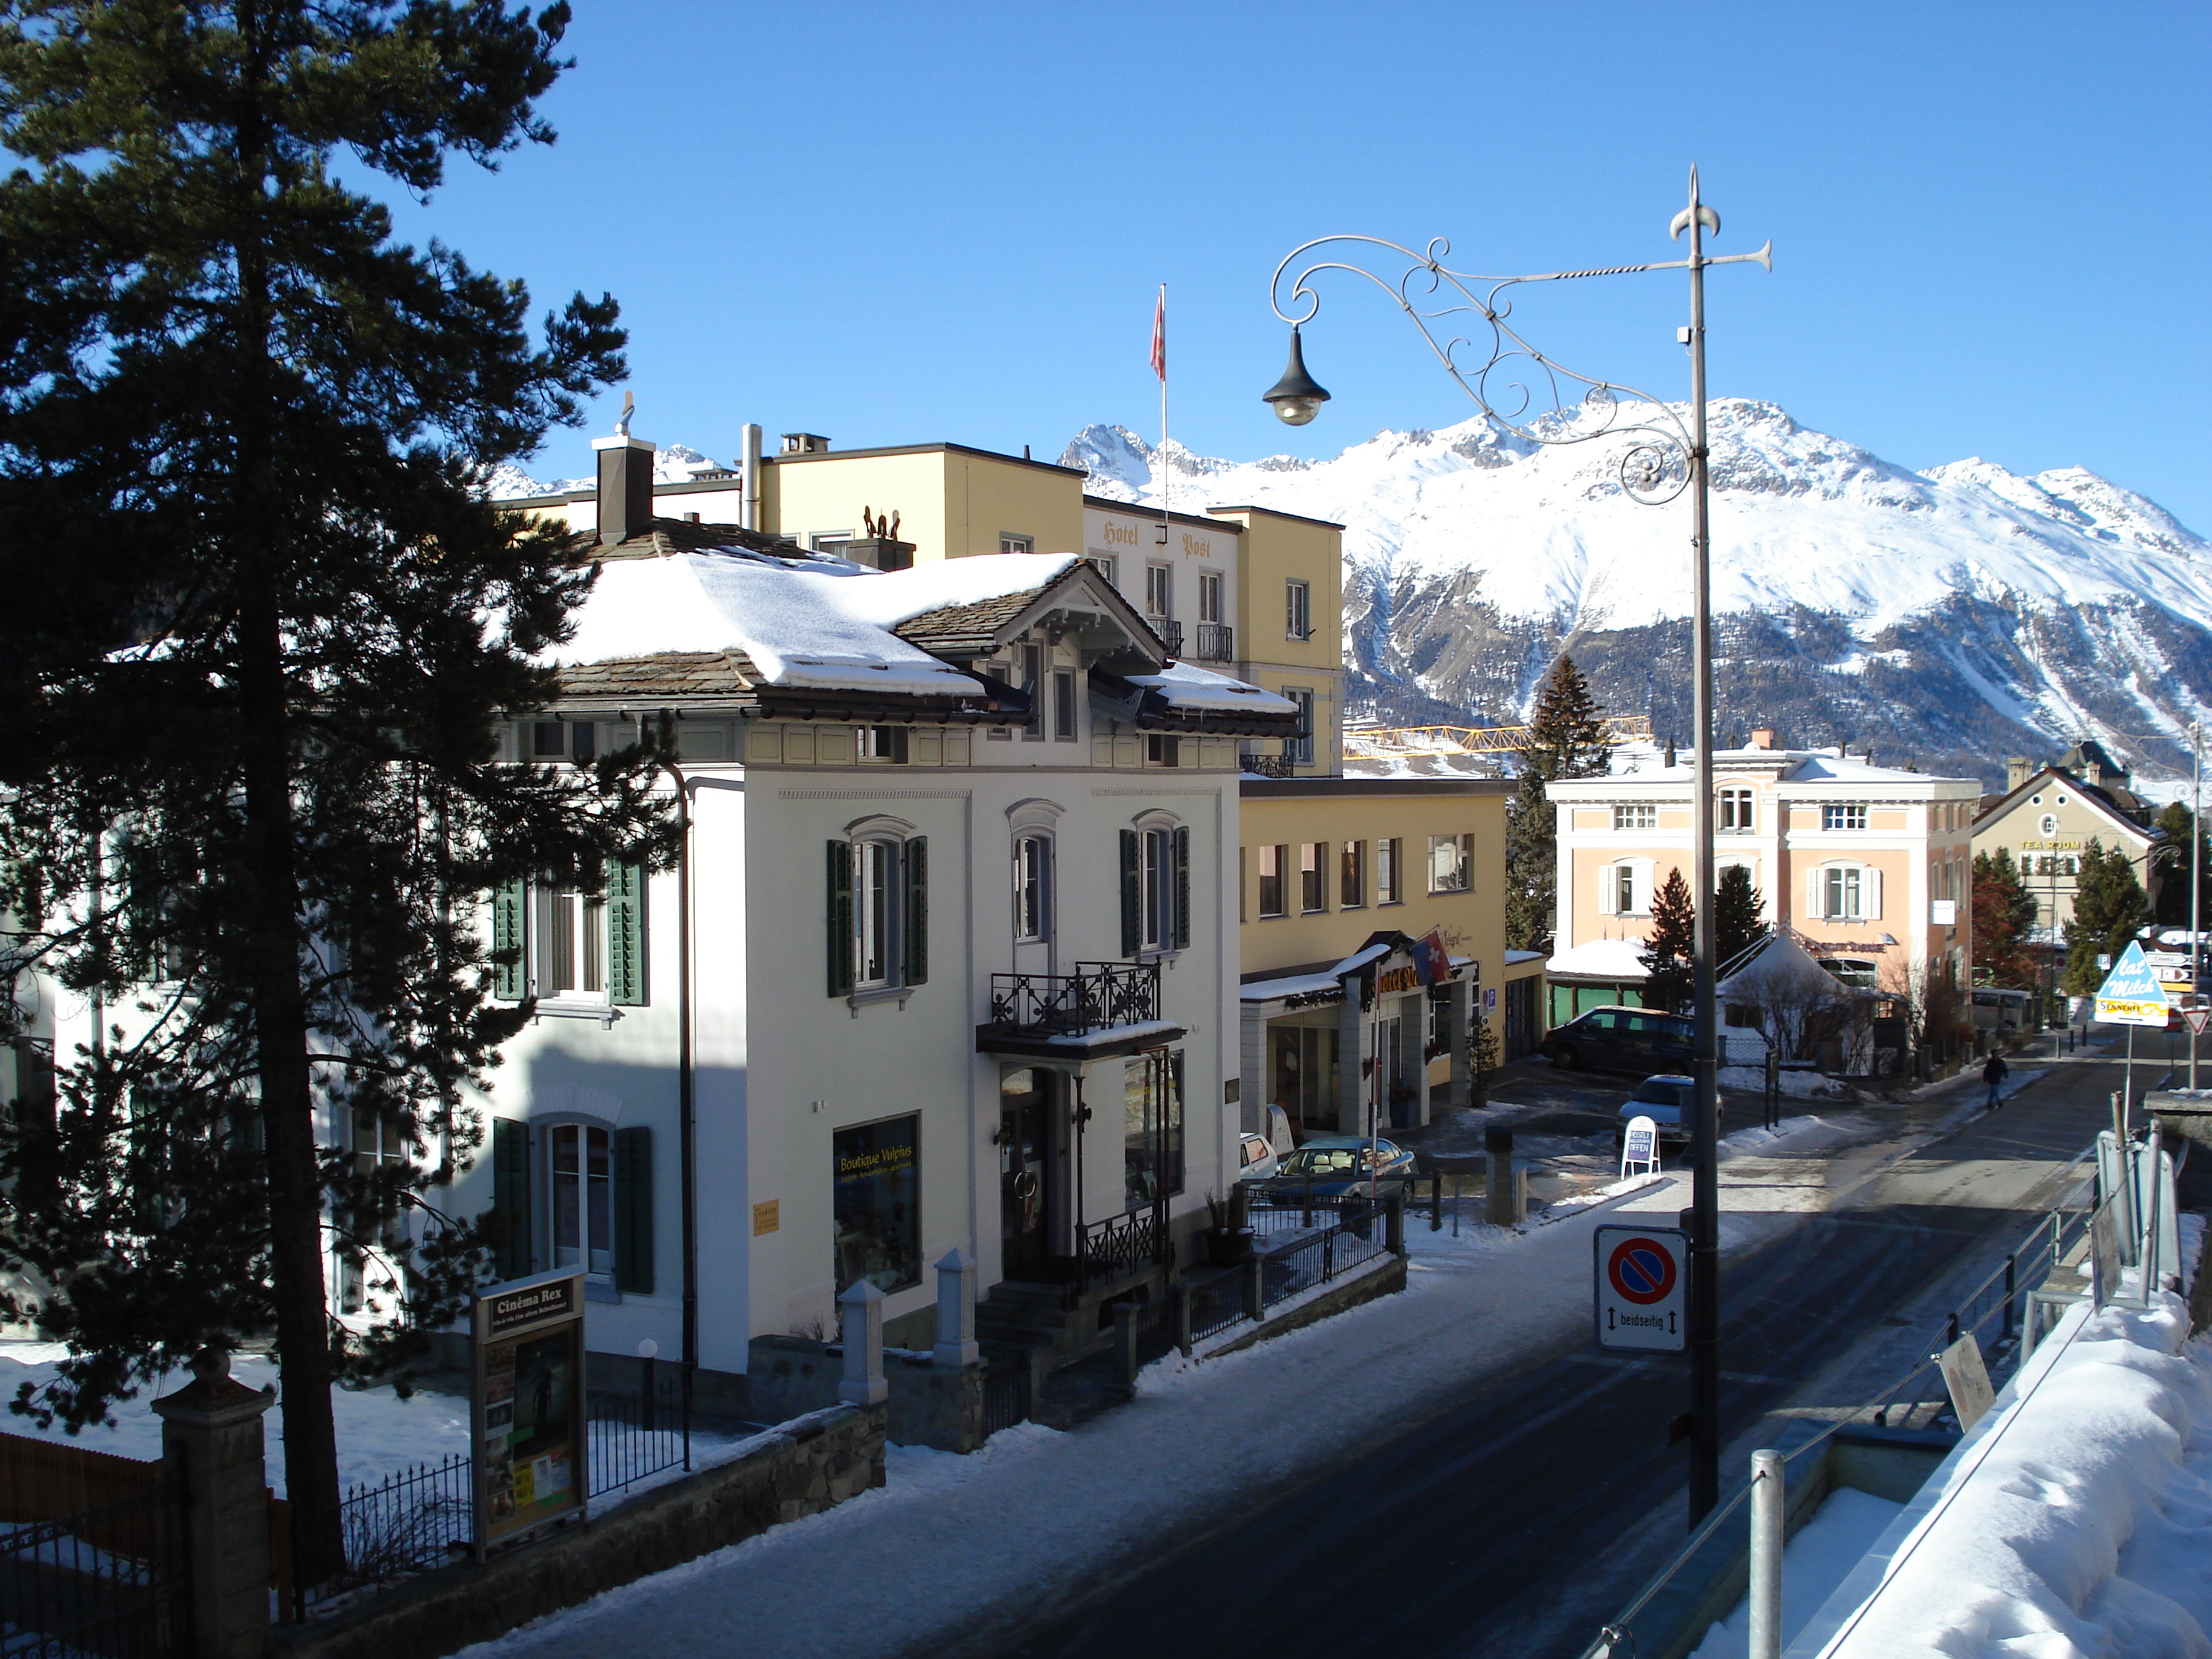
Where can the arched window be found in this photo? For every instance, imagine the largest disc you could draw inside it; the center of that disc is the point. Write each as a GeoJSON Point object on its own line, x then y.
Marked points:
{"type": "Point", "coordinates": [1032, 888]}
{"type": "Point", "coordinates": [877, 908]}
{"type": "Point", "coordinates": [1155, 886]}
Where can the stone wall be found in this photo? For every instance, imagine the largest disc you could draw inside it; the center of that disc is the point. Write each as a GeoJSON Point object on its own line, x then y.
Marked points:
{"type": "Point", "coordinates": [931, 1405]}
{"type": "Point", "coordinates": [805, 1466]}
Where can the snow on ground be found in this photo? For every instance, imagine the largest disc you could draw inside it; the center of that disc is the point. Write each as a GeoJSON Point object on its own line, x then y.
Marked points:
{"type": "Point", "coordinates": [1817, 1558]}
{"type": "Point", "coordinates": [2075, 1520]}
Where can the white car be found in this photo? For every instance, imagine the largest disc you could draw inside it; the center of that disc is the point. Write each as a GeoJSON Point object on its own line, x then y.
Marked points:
{"type": "Point", "coordinates": [1257, 1157]}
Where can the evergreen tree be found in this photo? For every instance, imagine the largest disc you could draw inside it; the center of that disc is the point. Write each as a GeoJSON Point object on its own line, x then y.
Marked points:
{"type": "Point", "coordinates": [1737, 923]}
{"type": "Point", "coordinates": [2004, 918]}
{"type": "Point", "coordinates": [2175, 823]}
{"type": "Point", "coordinates": [259, 631]}
{"type": "Point", "coordinates": [1668, 951]}
{"type": "Point", "coordinates": [1566, 740]}
{"type": "Point", "coordinates": [2109, 906]}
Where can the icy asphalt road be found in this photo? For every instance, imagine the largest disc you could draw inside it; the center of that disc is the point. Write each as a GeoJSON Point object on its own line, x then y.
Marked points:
{"type": "Point", "coordinates": [1420, 1475]}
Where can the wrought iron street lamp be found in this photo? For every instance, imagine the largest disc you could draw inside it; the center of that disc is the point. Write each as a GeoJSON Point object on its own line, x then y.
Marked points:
{"type": "Point", "coordinates": [1667, 458]}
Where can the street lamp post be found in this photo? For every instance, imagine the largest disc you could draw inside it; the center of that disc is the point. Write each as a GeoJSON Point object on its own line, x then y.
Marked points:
{"type": "Point", "coordinates": [2196, 885]}
{"type": "Point", "coordinates": [1669, 457]}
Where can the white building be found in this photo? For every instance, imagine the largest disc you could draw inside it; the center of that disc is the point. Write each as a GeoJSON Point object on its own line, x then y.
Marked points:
{"type": "Point", "coordinates": [950, 959]}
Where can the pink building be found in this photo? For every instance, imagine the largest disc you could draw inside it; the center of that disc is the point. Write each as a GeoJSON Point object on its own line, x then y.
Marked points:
{"type": "Point", "coordinates": [1870, 867]}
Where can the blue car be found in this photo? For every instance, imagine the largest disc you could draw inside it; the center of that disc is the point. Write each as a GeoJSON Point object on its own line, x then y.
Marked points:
{"type": "Point", "coordinates": [1666, 1100]}
{"type": "Point", "coordinates": [1341, 1164]}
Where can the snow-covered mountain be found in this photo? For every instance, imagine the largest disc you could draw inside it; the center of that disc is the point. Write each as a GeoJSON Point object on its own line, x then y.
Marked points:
{"type": "Point", "coordinates": [1952, 616]}
{"type": "Point", "coordinates": [673, 465]}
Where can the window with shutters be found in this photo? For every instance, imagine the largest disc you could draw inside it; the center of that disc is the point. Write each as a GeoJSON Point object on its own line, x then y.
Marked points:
{"type": "Point", "coordinates": [573, 1194]}
{"type": "Point", "coordinates": [575, 950]}
{"type": "Point", "coordinates": [1155, 889]}
{"type": "Point", "coordinates": [878, 914]}
{"type": "Point", "coordinates": [1842, 892]}
{"type": "Point", "coordinates": [583, 1187]}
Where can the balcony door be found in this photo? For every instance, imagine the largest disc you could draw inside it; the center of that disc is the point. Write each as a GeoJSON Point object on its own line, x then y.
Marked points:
{"type": "Point", "coordinates": [1026, 1189]}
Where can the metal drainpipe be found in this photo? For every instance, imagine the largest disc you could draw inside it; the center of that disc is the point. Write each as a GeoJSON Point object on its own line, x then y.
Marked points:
{"type": "Point", "coordinates": [685, 1097]}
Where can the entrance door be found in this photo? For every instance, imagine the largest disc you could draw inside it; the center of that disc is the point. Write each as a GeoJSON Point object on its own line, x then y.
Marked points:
{"type": "Point", "coordinates": [1024, 1183]}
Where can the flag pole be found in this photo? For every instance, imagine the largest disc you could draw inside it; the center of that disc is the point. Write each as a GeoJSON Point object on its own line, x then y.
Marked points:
{"type": "Point", "coordinates": [1160, 362]}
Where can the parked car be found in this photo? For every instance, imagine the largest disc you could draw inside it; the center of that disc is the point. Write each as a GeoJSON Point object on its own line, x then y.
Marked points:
{"type": "Point", "coordinates": [1257, 1157]}
{"type": "Point", "coordinates": [1621, 1040]}
{"type": "Point", "coordinates": [1666, 1100]}
{"type": "Point", "coordinates": [1340, 1164]}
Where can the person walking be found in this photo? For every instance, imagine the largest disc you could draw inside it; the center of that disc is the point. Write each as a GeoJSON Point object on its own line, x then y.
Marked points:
{"type": "Point", "coordinates": [1994, 1074]}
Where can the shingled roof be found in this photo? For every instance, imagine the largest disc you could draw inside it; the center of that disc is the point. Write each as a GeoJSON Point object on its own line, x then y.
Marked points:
{"type": "Point", "coordinates": [667, 675]}
{"type": "Point", "coordinates": [668, 536]}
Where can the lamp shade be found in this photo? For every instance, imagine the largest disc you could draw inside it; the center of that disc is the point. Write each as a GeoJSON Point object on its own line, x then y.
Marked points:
{"type": "Point", "coordinates": [1297, 397]}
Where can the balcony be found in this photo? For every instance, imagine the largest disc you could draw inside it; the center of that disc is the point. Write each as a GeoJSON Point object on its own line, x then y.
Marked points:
{"type": "Point", "coordinates": [1217, 642]}
{"type": "Point", "coordinates": [1100, 1010]}
{"type": "Point", "coordinates": [1269, 766]}
{"type": "Point", "coordinates": [1171, 633]}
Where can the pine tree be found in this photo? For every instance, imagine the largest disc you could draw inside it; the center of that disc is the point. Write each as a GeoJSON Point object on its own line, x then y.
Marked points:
{"type": "Point", "coordinates": [2175, 823]}
{"type": "Point", "coordinates": [1566, 740]}
{"type": "Point", "coordinates": [2109, 906]}
{"type": "Point", "coordinates": [260, 628]}
{"type": "Point", "coordinates": [1668, 951]}
{"type": "Point", "coordinates": [1737, 923]}
{"type": "Point", "coordinates": [2004, 919]}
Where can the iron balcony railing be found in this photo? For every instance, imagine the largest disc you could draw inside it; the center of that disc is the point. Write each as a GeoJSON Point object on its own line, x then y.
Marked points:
{"type": "Point", "coordinates": [1170, 634]}
{"type": "Point", "coordinates": [1217, 642]}
{"type": "Point", "coordinates": [1122, 1245]}
{"type": "Point", "coordinates": [1270, 766]}
{"type": "Point", "coordinates": [1097, 994]}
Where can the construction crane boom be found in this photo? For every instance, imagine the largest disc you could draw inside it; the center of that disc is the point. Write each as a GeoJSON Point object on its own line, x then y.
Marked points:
{"type": "Point", "coordinates": [1381, 741]}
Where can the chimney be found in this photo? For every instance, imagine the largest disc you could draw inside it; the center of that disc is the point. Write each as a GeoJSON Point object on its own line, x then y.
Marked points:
{"type": "Point", "coordinates": [805, 443]}
{"type": "Point", "coordinates": [2018, 770]}
{"type": "Point", "coordinates": [625, 486]}
{"type": "Point", "coordinates": [1762, 736]}
{"type": "Point", "coordinates": [749, 475]}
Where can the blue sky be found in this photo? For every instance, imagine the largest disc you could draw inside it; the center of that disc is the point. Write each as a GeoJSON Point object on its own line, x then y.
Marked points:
{"type": "Point", "coordinates": [894, 224]}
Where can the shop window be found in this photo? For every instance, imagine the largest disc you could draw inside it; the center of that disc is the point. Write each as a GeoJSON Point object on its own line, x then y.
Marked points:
{"type": "Point", "coordinates": [876, 1204]}
{"type": "Point", "coordinates": [1352, 875]}
{"type": "Point", "coordinates": [1389, 870]}
{"type": "Point", "coordinates": [566, 944]}
{"type": "Point", "coordinates": [1313, 874]}
{"type": "Point", "coordinates": [1152, 1110]}
{"type": "Point", "coordinates": [1032, 888]}
{"type": "Point", "coordinates": [1271, 859]}
{"type": "Point", "coordinates": [1451, 864]}
{"type": "Point", "coordinates": [878, 914]}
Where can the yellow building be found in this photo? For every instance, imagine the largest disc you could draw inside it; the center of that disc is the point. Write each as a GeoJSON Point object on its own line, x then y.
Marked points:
{"type": "Point", "coordinates": [1257, 595]}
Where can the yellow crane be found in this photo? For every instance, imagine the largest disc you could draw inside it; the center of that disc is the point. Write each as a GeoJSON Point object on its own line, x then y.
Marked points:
{"type": "Point", "coordinates": [1381, 742]}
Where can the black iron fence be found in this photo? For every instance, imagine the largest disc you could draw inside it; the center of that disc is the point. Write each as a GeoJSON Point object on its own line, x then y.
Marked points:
{"type": "Point", "coordinates": [1095, 996]}
{"type": "Point", "coordinates": [1009, 1392]}
{"type": "Point", "coordinates": [1217, 642]}
{"type": "Point", "coordinates": [1121, 1245]}
{"type": "Point", "coordinates": [635, 1435]}
{"type": "Point", "coordinates": [107, 1580]}
{"type": "Point", "coordinates": [1304, 1259]}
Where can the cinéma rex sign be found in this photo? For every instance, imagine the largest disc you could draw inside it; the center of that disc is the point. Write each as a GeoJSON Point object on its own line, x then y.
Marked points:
{"type": "Point", "coordinates": [1643, 1277]}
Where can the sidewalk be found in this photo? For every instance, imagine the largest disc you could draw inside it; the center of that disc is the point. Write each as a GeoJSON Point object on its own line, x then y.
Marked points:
{"type": "Point", "coordinates": [953, 1538]}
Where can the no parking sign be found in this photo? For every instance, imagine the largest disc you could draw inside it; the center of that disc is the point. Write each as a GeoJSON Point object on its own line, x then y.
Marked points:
{"type": "Point", "coordinates": [1642, 1273]}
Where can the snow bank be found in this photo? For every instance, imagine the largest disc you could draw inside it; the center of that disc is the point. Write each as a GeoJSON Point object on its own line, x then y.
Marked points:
{"type": "Point", "coordinates": [1815, 1562]}
{"type": "Point", "coordinates": [1799, 1085]}
{"type": "Point", "coordinates": [2076, 1520]}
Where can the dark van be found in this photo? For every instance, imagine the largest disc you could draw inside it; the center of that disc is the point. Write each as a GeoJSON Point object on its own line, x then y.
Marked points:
{"type": "Point", "coordinates": [1638, 1040]}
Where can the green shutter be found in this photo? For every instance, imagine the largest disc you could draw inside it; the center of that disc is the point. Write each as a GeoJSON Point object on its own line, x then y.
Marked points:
{"type": "Point", "coordinates": [1181, 889]}
{"type": "Point", "coordinates": [916, 964]}
{"type": "Point", "coordinates": [1132, 901]}
{"type": "Point", "coordinates": [509, 981]}
{"type": "Point", "coordinates": [633, 1211]}
{"type": "Point", "coordinates": [510, 1194]}
{"type": "Point", "coordinates": [625, 934]}
{"type": "Point", "coordinates": [841, 918]}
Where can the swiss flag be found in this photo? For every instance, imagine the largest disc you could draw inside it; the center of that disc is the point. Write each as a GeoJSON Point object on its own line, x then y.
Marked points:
{"type": "Point", "coordinates": [1160, 335]}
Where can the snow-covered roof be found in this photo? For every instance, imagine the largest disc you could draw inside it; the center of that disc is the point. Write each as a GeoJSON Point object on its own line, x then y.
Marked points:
{"type": "Point", "coordinates": [1791, 766]}
{"type": "Point", "coordinates": [1601, 958]}
{"type": "Point", "coordinates": [1180, 685]}
{"type": "Point", "coordinates": [1784, 972]}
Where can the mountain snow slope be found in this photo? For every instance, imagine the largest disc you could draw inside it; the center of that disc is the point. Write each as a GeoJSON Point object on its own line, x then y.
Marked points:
{"type": "Point", "coordinates": [674, 464]}
{"type": "Point", "coordinates": [1950, 617]}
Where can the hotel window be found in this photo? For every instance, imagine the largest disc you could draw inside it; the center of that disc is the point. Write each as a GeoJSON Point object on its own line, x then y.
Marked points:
{"type": "Point", "coordinates": [878, 914]}
{"type": "Point", "coordinates": [1313, 875]}
{"type": "Point", "coordinates": [1389, 870]}
{"type": "Point", "coordinates": [882, 743]}
{"type": "Point", "coordinates": [1063, 704]}
{"type": "Point", "coordinates": [1642, 816]}
{"type": "Point", "coordinates": [1008, 544]}
{"type": "Point", "coordinates": [1032, 888]}
{"type": "Point", "coordinates": [1209, 596]}
{"type": "Point", "coordinates": [1155, 891]}
{"type": "Point", "coordinates": [568, 944]}
{"type": "Point", "coordinates": [1842, 818]}
{"type": "Point", "coordinates": [1351, 876]}
{"type": "Point", "coordinates": [1271, 859]}
{"type": "Point", "coordinates": [1159, 590]}
{"type": "Point", "coordinates": [1299, 751]}
{"type": "Point", "coordinates": [1151, 1117]}
{"type": "Point", "coordinates": [1735, 809]}
{"type": "Point", "coordinates": [1451, 864]}
{"type": "Point", "coordinates": [876, 1204]}
{"type": "Point", "coordinates": [1297, 620]}
{"type": "Point", "coordinates": [1107, 566]}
